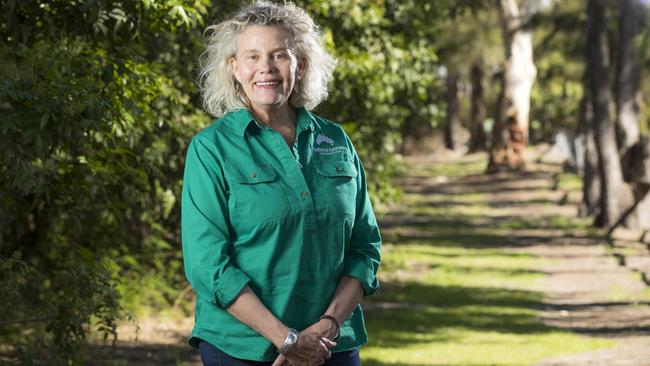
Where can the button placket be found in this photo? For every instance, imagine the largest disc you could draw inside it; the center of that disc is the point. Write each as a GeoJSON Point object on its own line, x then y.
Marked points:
{"type": "Point", "coordinates": [296, 179]}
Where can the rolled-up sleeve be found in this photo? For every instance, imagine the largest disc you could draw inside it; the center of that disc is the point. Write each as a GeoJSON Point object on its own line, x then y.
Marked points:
{"type": "Point", "coordinates": [362, 260]}
{"type": "Point", "coordinates": [204, 227]}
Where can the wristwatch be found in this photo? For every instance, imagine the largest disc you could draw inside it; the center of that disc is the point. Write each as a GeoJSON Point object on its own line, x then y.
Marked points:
{"type": "Point", "coordinates": [292, 338]}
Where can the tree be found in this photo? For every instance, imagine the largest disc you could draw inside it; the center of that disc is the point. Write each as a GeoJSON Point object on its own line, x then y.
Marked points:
{"type": "Point", "coordinates": [628, 99]}
{"type": "Point", "coordinates": [615, 195]}
{"type": "Point", "coordinates": [591, 186]}
{"type": "Point", "coordinates": [627, 86]}
{"type": "Point", "coordinates": [477, 109]}
{"type": "Point", "coordinates": [453, 124]}
{"type": "Point", "coordinates": [510, 133]}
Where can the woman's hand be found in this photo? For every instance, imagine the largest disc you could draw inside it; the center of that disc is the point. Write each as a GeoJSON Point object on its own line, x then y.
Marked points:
{"type": "Point", "coordinates": [324, 328]}
{"type": "Point", "coordinates": [310, 350]}
{"type": "Point", "coordinates": [281, 361]}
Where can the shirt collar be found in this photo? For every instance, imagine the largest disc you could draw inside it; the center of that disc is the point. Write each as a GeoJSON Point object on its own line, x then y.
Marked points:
{"type": "Point", "coordinates": [243, 120]}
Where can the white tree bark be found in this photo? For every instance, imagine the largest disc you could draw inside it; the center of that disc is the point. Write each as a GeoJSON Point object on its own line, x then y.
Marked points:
{"type": "Point", "coordinates": [511, 133]}
{"type": "Point", "coordinates": [521, 69]}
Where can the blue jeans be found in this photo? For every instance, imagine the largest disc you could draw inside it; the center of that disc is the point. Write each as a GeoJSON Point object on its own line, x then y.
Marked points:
{"type": "Point", "coordinates": [212, 356]}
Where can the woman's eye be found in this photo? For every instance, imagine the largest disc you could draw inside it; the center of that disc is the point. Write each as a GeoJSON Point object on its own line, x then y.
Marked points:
{"type": "Point", "coordinates": [280, 56]}
{"type": "Point", "coordinates": [251, 57]}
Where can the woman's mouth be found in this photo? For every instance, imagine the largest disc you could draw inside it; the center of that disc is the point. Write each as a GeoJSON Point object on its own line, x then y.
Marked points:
{"type": "Point", "coordinates": [267, 84]}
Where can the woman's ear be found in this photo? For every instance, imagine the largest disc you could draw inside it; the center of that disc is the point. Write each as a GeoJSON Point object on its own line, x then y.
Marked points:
{"type": "Point", "coordinates": [234, 68]}
{"type": "Point", "coordinates": [301, 67]}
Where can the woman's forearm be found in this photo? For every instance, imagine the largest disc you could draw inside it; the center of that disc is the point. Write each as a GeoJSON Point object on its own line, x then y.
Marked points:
{"type": "Point", "coordinates": [248, 309]}
{"type": "Point", "coordinates": [347, 296]}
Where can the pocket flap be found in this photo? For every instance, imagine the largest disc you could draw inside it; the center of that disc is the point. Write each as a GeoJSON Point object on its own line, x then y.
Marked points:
{"type": "Point", "coordinates": [336, 168]}
{"type": "Point", "coordinates": [254, 174]}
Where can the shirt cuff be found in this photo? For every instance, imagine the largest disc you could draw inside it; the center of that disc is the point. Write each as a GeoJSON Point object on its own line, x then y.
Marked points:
{"type": "Point", "coordinates": [363, 270]}
{"type": "Point", "coordinates": [230, 284]}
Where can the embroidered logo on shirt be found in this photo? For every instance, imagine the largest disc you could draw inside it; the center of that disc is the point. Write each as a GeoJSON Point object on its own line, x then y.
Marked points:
{"type": "Point", "coordinates": [327, 150]}
{"type": "Point", "coordinates": [322, 138]}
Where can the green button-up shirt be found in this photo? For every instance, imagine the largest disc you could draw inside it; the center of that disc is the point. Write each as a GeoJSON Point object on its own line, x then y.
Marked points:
{"type": "Point", "coordinates": [288, 222]}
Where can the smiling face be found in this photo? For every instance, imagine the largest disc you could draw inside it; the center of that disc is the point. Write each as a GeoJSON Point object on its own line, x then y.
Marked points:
{"type": "Point", "coordinates": [266, 66]}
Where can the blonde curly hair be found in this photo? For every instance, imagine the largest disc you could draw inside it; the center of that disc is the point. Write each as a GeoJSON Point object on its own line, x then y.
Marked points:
{"type": "Point", "coordinates": [220, 90]}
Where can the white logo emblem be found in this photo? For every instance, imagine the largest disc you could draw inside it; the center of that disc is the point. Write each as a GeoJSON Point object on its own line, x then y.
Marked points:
{"type": "Point", "coordinates": [328, 150]}
{"type": "Point", "coordinates": [322, 138]}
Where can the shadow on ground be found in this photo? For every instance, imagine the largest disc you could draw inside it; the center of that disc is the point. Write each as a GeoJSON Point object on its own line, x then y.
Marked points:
{"type": "Point", "coordinates": [133, 353]}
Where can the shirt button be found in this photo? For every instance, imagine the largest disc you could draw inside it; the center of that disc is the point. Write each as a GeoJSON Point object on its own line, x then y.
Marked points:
{"type": "Point", "coordinates": [304, 194]}
{"type": "Point", "coordinates": [253, 175]}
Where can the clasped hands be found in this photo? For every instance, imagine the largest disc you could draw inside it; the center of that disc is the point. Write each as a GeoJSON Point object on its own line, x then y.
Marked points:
{"type": "Point", "coordinates": [312, 348]}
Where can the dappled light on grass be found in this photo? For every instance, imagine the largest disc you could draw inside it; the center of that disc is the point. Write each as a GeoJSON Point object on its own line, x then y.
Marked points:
{"type": "Point", "coordinates": [461, 306]}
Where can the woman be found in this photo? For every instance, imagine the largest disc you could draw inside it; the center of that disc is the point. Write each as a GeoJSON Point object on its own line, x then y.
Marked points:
{"type": "Point", "coordinates": [280, 242]}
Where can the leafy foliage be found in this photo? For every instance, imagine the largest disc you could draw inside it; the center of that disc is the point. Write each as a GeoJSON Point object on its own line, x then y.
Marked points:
{"type": "Point", "coordinates": [93, 134]}
{"type": "Point", "coordinates": [559, 54]}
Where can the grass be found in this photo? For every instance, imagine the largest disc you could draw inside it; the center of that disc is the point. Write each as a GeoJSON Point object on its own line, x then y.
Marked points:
{"type": "Point", "coordinates": [455, 291]}
{"type": "Point", "coordinates": [462, 306]}
{"type": "Point", "coordinates": [457, 169]}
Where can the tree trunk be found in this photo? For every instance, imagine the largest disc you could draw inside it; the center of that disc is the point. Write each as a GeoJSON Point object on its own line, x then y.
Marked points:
{"type": "Point", "coordinates": [627, 119]}
{"type": "Point", "coordinates": [616, 196]}
{"type": "Point", "coordinates": [519, 75]}
{"type": "Point", "coordinates": [628, 98]}
{"type": "Point", "coordinates": [477, 140]}
{"type": "Point", "coordinates": [590, 178]}
{"type": "Point", "coordinates": [453, 127]}
{"type": "Point", "coordinates": [640, 164]}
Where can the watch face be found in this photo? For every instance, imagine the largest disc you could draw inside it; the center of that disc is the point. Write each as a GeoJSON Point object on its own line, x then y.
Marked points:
{"type": "Point", "coordinates": [292, 337]}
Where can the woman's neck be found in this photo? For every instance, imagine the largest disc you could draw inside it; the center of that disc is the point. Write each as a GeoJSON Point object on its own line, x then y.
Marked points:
{"type": "Point", "coordinates": [275, 118]}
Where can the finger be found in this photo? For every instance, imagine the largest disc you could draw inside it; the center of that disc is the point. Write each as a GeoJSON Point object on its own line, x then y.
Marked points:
{"type": "Point", "coordinates": [323, 354]}
{"type": "Point", "coordinates": [329, 344]}
{"type": "Point", "coordinates": [280, 361]}
{"type": "Point", "coordinates": [327, 357]}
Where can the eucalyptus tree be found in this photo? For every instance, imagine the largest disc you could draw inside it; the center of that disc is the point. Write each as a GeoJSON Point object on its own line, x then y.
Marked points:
{"type": "Point", "coordinates": [628, 99]}
{"type": "Point", "coordinates": [615, 194]}
{"type": "Point", "coordinates": [478, 137]}
{"type": "Point", "coordinates": [630, 143]}
{"type": "Point", "coordinates": [511, 129]}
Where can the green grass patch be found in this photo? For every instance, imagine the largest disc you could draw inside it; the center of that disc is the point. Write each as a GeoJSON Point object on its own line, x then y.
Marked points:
{"type": "Point", "coordinates": [468, 166]}
{"type": "Point", "coordinates": [645, 294]}
{"type": "Point", "coordinates": [457, 345]}
{"type": "Point", "coordinates": [569, 181]}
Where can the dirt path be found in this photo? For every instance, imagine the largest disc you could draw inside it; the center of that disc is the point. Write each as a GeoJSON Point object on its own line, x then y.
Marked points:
{"type": "Point", "coordinates": [587, 290]}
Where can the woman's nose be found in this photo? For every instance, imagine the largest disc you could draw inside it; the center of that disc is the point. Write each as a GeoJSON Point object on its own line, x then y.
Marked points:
{"type": "Point", "coordinates": [268, 64]}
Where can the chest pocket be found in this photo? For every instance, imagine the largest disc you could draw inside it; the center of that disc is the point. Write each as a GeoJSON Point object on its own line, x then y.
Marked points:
{"type": "Point", "coordinates": [337, 185]}
{"type": "Point", "coordinates": [258, 194]}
